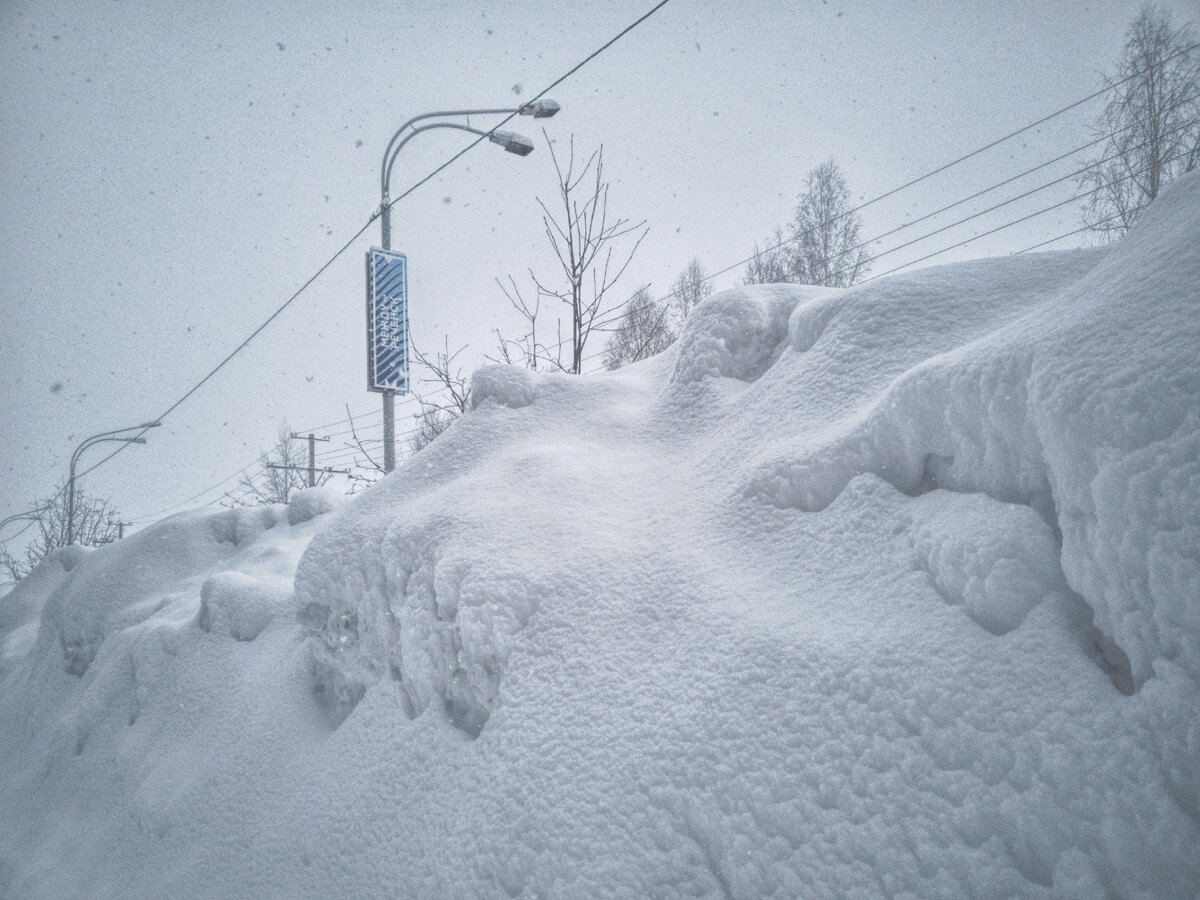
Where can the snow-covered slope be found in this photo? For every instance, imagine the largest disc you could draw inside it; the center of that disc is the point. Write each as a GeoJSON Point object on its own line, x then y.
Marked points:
{"type": "Point", "coordinates": [891, 590]}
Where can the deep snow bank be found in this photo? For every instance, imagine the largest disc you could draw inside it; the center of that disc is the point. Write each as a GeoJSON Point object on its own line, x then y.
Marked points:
{"type": "Point", "coordinates": [115, 680]}
{"type": "Point", "coordinates": [1080, 400]}
{"type": "Point", "coordinates": [892, 590]}
{"type": "Point", "coordinates": [1013, 439]}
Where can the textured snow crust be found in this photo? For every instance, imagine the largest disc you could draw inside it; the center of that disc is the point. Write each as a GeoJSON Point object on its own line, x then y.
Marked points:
{"type": "Point", "coordinates": [505, 385]}
{"type": "Point", "coordinates": [890, 591]}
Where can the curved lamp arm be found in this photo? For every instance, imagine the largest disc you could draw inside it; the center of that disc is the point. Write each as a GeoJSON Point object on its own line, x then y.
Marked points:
{"type": "Point", "coordinates": [511, 141]}
{"type": "Point", "coordinates": [385, 167]}
{"type": "Point", "coordinates": [110, 436]}
{"type": "Point", "coordinates": [544, 108]}
{"type": "Point", "coordinates": [91, 442]}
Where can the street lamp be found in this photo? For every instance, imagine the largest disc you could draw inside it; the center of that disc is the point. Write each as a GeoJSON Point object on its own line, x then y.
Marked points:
{"type": "Point", "coordinates": [90, 442]}
{"type": "Point", "coordinates": [509, 140]}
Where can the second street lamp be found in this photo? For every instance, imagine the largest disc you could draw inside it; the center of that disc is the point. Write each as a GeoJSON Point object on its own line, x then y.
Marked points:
{"type": "Point", "coordinates": [511, 141]}
{"type": "Point", "coordinates": [100, 438]}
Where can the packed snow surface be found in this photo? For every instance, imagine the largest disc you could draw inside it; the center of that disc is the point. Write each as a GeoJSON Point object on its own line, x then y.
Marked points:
{"type": "Point", "coordinates": [886, 591]}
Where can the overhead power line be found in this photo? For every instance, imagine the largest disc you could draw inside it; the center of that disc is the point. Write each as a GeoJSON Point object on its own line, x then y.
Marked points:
{"type": "Point", "coordinates": [615, 315]}
{"type": "Point", "coordinates": [542, 93]}
{"type": "Point", "coordinates": [1068, 234]}
{"type": "Point", "coordinates": [1026, 218]}
{"type": "Point", "coordinates": [993, 208]}
{"type": "Point", "coordinates": [195, 496]}
{"type": "Point", "coordinates": [609, 317]}
{"type": "Point", "coordinates": [1072, 199]}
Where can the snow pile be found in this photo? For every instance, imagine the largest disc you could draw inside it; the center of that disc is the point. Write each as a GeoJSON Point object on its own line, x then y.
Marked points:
{"type": "Point", "coordinates": [138, 577]}
{"type": "Point", "coordinates": [111, 658]}
{"type": "Point", "coordinates": [890, 590]}
{"type": "Point", "coordinates": [1079, 401]}
{"type": "Point", "coordinates": [22, 604]}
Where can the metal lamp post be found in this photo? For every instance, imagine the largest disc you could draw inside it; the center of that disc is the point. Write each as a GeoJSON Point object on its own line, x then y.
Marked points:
{"type": "Point", "coordinates": [510, 141]}
{"type": "Point", "coordinates": [90, 442]}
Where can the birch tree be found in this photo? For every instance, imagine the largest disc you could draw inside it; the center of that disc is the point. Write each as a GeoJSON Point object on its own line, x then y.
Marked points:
{"type": "Point", "coordinates": [1151, 123]}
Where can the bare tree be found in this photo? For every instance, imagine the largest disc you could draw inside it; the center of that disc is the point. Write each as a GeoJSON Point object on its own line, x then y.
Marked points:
{"type": "Point", "coordinates": [14, 567]}
{"type": "Point", "coordinates": [689, 289]}
{"type": "Point", "coordinates": [525, 349]}
{"type": "Point", "coordinates": [283, 472]}
{"type": "Point", "coordinates": [96, 522]}
{"type": "Point", "coordinates": [1151, 122]}
{"type": "Point", "coordinates": [769, 265]}
{"type": "Point", "coordinates": [365, 467]}
{"type": "Point", "coordinates": [431, 422]}
{"type": "Point", "coordinates": [826, 247]}
{"type": "Point", "coordinates": [587, 243]}
{"type": "Point", "coordinates": [452, 392]}
{"type": "Point", "coordinates": [646, 328]}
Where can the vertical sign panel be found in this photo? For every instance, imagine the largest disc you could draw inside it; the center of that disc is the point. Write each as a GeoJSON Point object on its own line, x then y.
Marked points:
{"type": "Point", "coordinates": [387, 321]}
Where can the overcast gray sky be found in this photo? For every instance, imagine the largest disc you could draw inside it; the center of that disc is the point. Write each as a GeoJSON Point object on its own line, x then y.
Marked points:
{"type": "Point", "coordinates": [173, 171]}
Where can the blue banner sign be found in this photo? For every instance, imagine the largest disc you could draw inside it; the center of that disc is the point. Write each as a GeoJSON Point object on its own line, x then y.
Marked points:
{"type": "Point", "coordinates": [387, 321]}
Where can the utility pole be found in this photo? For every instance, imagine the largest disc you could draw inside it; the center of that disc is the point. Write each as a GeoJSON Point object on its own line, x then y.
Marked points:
{"type": "Point", "coordinates": [121, 526]}
{"type": "Point", "coordinates": [312, 455]}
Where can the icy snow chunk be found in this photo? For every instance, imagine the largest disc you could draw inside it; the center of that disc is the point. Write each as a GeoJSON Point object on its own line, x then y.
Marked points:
{"type": "Point", "coordinates": [237, 604]}
{"type": "Point", "coordinates": [998, 560]}
{"type": "Point", "coordinates": [419, 613]}
{"type": "Point", "coordinates": [737, 333]}
{"type": "Point", "coordinates": [310, 503]}
{"type": "Point", "coordinates": [510, 386]}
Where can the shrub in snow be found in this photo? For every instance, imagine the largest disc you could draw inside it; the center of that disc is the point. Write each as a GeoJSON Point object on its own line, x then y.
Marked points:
{"type": "Point", "coordinates": [310, 503]}
{"type": "Point", "coordinates": [510, 386]}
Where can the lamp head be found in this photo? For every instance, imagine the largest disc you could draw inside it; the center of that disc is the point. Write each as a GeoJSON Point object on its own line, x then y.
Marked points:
{"type": "Point", "coordinates": [541, 109]}
{"type": "Point", "coordinates": [512, 142]}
